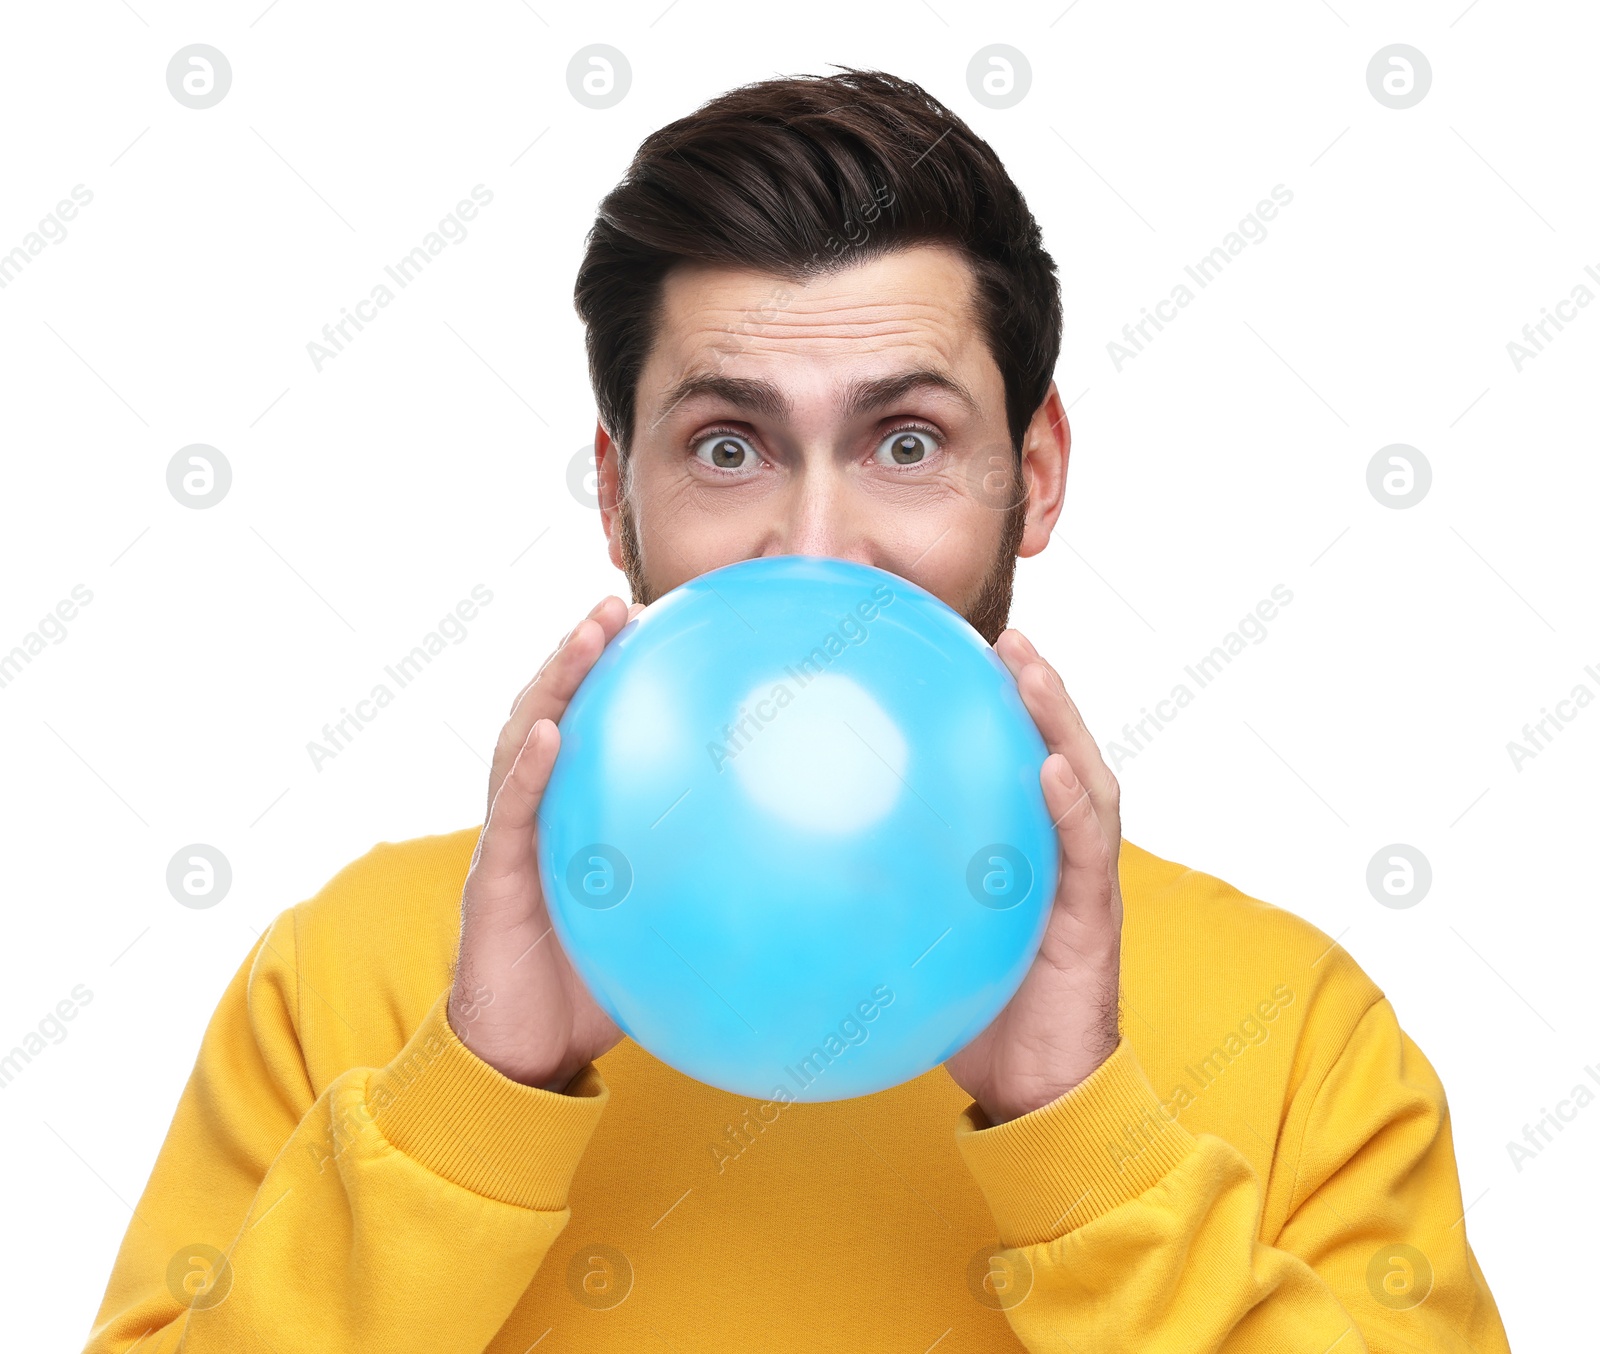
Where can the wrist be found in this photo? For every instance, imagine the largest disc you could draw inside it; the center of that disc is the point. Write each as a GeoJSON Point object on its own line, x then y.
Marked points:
{"type": "Point", "coordinates": [999, 1110]}
{"type": "Point", "coordinates": [557, 1082]}
{"type": "Point", "coordinates": [462, 1013]}
{"type": "Point", "coordinates": [439, 1103]}
{"type": "Point", "coordinates": [540, 1076]}
{"type": "Point", "coordinates": [1001, 1104]}
{"type": "Point", "coordinates": [1081, 1156]}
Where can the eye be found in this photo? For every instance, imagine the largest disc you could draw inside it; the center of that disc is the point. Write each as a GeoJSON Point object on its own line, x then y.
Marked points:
{"type": "Point", "coordinates": [907, 446]}
{"type": "Point", "coordinates": [725, 450]}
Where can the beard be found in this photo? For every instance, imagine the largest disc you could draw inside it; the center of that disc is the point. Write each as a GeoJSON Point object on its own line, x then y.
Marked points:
{"type": "Point", "coordinates": [987, 612]}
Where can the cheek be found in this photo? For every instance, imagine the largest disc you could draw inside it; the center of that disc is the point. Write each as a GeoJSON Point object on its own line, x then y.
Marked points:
{"type": "Point", "coordinates": [950, 552]}
{"type": "Point", "coordinates": [684, 531]}
{"type": "Point", "coordinates": [688, 513]}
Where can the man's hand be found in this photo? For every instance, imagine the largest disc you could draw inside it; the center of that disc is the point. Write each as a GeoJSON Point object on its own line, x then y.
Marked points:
{"type": "Point", "coordinates": [1062, 1022]}
{"type": "Point", "coordinates": [516, 1002]}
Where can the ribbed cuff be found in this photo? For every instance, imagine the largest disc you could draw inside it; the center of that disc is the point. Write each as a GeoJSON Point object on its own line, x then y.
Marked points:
{"type": "Point", "coordinates": [441, 1104]}
{"type": "Point", "coordinates": [1104, 1142]}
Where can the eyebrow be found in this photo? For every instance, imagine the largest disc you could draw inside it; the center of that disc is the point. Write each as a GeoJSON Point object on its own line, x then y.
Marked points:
{"type": "Point", "coordinates": [861, 396]}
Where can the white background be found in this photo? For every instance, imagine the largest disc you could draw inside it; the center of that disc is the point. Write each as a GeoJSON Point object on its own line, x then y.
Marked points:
{"type": "Point", "coordinates": [432, 455]}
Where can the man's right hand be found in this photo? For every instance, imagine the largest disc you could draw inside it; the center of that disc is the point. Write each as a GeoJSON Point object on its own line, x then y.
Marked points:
{"type": "Point", "coordinates": [516, 1002]}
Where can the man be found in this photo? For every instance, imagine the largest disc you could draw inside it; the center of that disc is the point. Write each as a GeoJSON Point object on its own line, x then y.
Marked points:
{"type": "Point", "coordinates": [820, 321]}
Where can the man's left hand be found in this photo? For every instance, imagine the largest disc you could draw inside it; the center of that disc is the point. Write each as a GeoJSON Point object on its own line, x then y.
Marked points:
{"type": "Point", "coordinates": [1062, 1022]}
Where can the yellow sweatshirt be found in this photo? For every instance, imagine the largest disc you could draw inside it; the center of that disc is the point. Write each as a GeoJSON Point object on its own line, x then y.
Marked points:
{"type": "Point", "coordinates": [1264, 1163]}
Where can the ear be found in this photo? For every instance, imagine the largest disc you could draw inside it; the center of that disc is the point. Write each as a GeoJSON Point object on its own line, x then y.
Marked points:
{"type": "Point", "coordinates": [1046, 447]}
{"type": "Point", "coordinates": [608, 487]}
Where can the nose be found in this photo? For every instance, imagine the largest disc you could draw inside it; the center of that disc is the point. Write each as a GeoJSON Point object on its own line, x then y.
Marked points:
{"type": "Point", "coordinates": [819, 515]}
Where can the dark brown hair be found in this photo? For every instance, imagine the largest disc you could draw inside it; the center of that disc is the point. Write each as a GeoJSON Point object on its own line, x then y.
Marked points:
{"type": "Point", "coordinates": [798, 175]}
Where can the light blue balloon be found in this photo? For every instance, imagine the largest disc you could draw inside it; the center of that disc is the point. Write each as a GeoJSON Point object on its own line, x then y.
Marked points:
{"type": "Point", "coordinates": [794, 841]}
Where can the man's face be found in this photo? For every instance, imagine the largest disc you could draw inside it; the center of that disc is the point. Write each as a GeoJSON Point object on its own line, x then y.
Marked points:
{"type": "Point", "coordinates": [859, 415]}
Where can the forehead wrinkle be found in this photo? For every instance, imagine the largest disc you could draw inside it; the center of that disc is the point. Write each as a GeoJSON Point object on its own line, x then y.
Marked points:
{"type": "Point", "coordinates": [843, 320]}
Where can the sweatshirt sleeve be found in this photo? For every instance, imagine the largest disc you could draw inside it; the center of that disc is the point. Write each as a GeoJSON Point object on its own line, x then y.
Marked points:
{"type": "Point", "coordinates": [405, 1207]}
{"type": "Point", "coordinates": [1121, 1230]}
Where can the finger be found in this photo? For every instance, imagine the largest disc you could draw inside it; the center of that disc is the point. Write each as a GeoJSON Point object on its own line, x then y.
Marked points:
{"type": "Point", "coordinates": [1063, 731]}
{"type": "Point", "coordinates": [506, 845]}
{"type": "Point", "coordinates": [1088, 857]}
{"type": "Point", "coordinates": [1020, 651]}
{"type": "Point", "coordinates": [546, 696]}
{"type": "Point", "coordinates": [635, 609]}
{"type": "Point", "coordinates": [601, 611]}
{"type": "Point", "coordinates": [1013, 640]}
